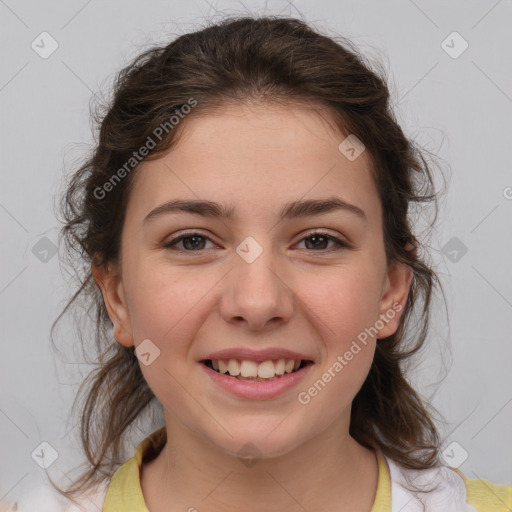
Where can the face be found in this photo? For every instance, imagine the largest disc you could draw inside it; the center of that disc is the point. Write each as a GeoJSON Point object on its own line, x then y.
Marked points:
{"type": "Point", "coordinates": [316, 284]}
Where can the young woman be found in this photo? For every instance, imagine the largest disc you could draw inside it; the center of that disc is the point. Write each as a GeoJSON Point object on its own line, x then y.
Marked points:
{"type": "Point", "coordinates": [244, 225]}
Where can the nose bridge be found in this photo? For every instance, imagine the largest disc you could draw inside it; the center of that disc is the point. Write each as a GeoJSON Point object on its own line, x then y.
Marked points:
{"type": "Point", "coordinates": [256, 291]}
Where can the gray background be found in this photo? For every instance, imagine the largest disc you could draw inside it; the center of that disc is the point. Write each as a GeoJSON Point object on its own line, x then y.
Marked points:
{"type": "Point", "coordinates": [459, 108]}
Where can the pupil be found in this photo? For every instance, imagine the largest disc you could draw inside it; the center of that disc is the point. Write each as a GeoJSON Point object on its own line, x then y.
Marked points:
{"type": "Point", "coordinates": [191, 246]}
{"type": "Point", "coordinates": [316, 237]}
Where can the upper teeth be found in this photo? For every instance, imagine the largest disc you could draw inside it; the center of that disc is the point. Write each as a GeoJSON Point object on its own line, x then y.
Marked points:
{"type": "Point", "coordinates": [264, 370]}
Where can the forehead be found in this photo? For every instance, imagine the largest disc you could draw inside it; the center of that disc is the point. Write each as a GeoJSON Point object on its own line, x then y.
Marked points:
{"type": "Point", "coordinates": [255, 158]}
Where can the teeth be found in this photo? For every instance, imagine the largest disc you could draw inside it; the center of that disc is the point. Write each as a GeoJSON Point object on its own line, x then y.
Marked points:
{"type": "Point", "coordinates": [248, 369]}
{"type": "Point", "coordinates": [280, 367]}
{"type": "Point", "coordinates": [288, 367]}
{"type": "Point", "coordinates": [233, 367]}
{"type": "Point", "coordinates": [223, 367]}
{"type": "Point", "coordinates": [264, 370]}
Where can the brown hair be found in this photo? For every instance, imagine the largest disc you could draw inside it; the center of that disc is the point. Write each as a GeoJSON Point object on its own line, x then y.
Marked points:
{"type": "Point", "coordinates": [238, 59]}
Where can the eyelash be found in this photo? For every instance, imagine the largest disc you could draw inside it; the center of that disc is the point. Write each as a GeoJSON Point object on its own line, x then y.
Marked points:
{"type": "Point", "coordinates": [341, 245]}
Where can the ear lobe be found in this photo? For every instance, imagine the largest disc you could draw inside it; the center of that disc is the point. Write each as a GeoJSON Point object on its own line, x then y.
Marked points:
{"type": "Point", "coordinates": [397, 285]}
{"type": "Point", "coordinates": [111, 286]}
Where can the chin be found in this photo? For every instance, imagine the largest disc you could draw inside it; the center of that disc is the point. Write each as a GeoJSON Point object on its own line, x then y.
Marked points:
{"type": "Point", "coordinates": [265, 443]}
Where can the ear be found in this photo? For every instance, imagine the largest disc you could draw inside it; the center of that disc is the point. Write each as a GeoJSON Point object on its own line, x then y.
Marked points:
{"type": "Point", "coordinates": [394, 297]}
{"type": "Point", "coordinates": [109, 280]}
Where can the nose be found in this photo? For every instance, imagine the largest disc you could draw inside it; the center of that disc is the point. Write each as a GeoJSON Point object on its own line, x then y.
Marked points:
{"type": "Point", "coordinates": [259, 293]}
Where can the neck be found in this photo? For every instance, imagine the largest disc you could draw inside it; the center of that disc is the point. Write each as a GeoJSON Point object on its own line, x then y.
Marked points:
{"type": "Point", "coordinates": [328, 472]}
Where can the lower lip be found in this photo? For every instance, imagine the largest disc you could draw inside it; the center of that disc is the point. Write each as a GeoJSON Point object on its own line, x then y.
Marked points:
{"type": "Point", "coordinates": [257, 390]}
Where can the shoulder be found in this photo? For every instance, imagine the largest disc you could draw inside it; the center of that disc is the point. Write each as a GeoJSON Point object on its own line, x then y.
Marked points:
{"type": "Point", "coordinates": [486, 496]}
{"type": "Point", "coordinates": [445, 488]}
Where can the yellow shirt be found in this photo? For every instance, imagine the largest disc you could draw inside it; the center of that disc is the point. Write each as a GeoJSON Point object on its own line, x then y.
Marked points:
{"type": "Point", "coordinates": [457, 493]}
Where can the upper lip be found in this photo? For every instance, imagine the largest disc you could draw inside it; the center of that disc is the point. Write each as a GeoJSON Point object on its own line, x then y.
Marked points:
{"type": "Point", "coordinates": [259, 356]}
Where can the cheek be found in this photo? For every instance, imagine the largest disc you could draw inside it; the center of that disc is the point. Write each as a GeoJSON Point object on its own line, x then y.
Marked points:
{"type": "Point", "coordinates": [329, 396]}
{"type": "Point", "coordinates": [166, 308]}
{"type": "Point", "coordinates": [345, 305]}
{"type": "Point", "coordinates": [344, 312]}
{"type": "Point", "coordinates": [164, 304]}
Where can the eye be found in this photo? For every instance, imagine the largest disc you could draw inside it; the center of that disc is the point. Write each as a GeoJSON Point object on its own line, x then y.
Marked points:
{"type": "Point", "coordinates": [195, 242]}
{"type": "Point", "coordinates": [190, 241]}
{"type": "Point", "coordinates": [319, 239]}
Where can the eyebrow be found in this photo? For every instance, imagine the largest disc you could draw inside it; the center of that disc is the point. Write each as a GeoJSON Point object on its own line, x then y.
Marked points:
{"type": "Point", "coordinates": [291, 210]}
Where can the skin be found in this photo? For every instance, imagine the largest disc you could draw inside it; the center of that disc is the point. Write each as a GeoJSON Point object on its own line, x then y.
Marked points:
{"type": "Point", "coordinates": [294, 295]}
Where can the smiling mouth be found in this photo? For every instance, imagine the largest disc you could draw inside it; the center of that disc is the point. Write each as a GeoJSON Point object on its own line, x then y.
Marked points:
{"type": "Point", "coordinates": [265, 371]}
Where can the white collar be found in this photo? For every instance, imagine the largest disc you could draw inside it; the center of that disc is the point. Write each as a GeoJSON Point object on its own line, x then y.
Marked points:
{"type": "Point", "coordinates": [450, 495]}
